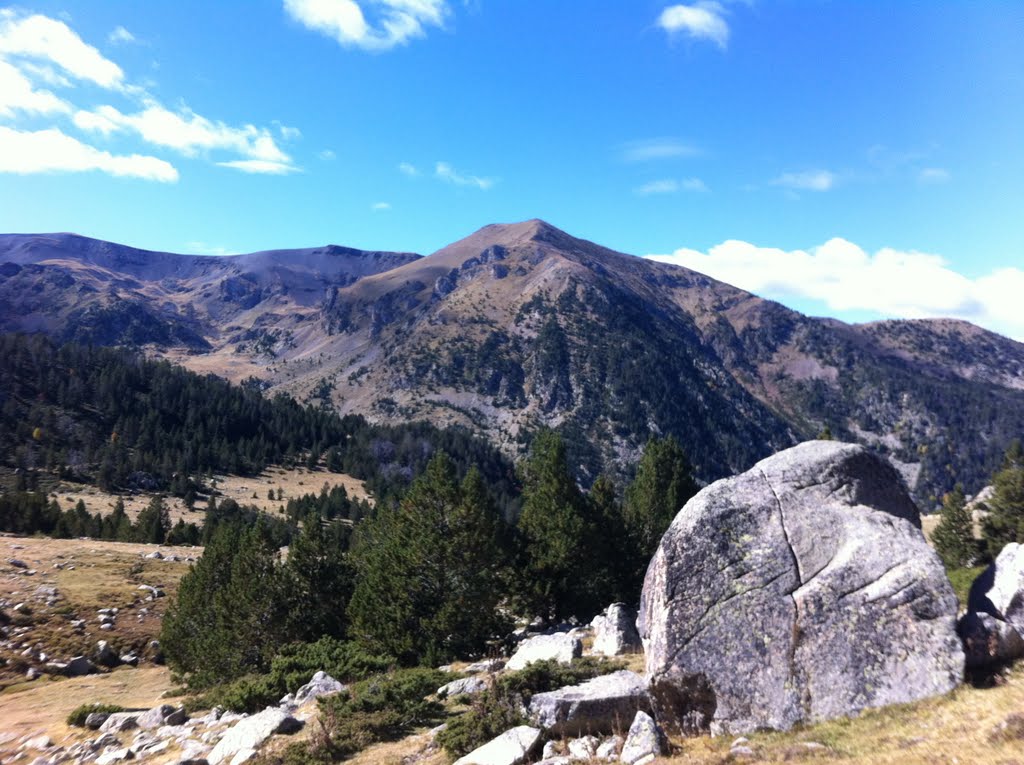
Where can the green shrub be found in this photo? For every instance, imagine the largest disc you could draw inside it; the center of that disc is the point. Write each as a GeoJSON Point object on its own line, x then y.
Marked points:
{"type": "Point", "coordinates": [246, 694]}
{"type": "Point", "coordinates": [77, 717]}
{"type": "Point", "coordinates": [544, 676]}
{"type": "Point", "coordinates": [382, 708]}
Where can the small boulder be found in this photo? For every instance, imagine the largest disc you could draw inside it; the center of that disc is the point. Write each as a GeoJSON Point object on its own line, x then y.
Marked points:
{"type": "Point", "coordinates": [95, 720]}
{"type": "Point", "coordinates": [111, 756]}
{"type": "Point", "coordinates": [79, 666]}
{"type": "Point", "coordinates": [155, 717]}
{"type": "Point", "coordinates": [600, 705]}
{"type": "Point", "coordinates": [560, 646]}
{"type": "Point", "coordinates": [463, 687]}
{"type": "Point", "coordinates": [321, 684]}
{"type": "Point", "coordinates": [988, 641]}
{"type": "Point", "coordinates": [120, 721]}
{"type": "Point", "coordinates": [485, 665]}
{"type": "Point", "coordinates": [584, 748]}
{"type": "Point", "coordinates": [513, 747]}
{"type": "Point", "coordinates": [999, 590]}
{"type": "Point", "coordinates": [644, 740]}
{"type": "Point", "coordinates": [615, 631]}
{"type": "Point", "coordinates": [609, 748]}
{"type": "Point", "coordinates": [105, 655]}
{"type": "Point", "coordinates": [251, 732]}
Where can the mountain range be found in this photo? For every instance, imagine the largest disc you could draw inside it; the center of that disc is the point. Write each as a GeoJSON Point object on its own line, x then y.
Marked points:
{"type": "Point", "coordinates": [522, 325]}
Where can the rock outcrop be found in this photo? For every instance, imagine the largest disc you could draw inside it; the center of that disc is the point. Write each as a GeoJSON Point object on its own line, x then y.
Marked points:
{"type": "Point", "coordinates": [999, 590]}
{"type": "Point", "coordinates": [605, 704]}
{"type": "Point", "coordinates": [798, 591]}
{"type": "Point", "coordinates": [615, 631]}
{"type": "Point", "coordinates": [510, 748]}
{"type": "Point", "coordinates": [562, 647]}
{"type": "Point", "coordinates": [251, 732]}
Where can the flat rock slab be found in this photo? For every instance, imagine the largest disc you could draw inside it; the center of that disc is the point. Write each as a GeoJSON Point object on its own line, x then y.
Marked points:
{"type": "Point", "coordinates": [605, 704]}
{"type": "Point", "coordinates": [562, 647]}
{"type": "Point", "coordinates": [798, 591]}
{"type": "Point", "coordinates": [512, 747]}
{"type": "Point", "coordinates": [251, 732]}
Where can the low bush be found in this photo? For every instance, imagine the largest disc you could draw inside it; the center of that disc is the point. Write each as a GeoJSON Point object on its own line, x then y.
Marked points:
{"type": "Point", "coordinates": [544, 676]}
{"type": "Point", "coordinates": [77, 717]}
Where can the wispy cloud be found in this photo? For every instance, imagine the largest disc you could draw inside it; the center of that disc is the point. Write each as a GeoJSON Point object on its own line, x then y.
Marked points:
{"type": "Point", "coordinates": [17, 94]}
{"type": "Point", "coordinates": [934, 175]}
{"type": "Point", "coordinates": [407, 169]}
{"type": "Point", "coordinates": [327, 155]}
{"type": "Point", "coordinates": [810, 180]}
{"type": "Point", "coordinates": [843, 276]}
{"type": "Point", "coordinates": [120, 36]}
{"type": "Point", "coordinates": [380, 206]}
{"type": "Point", "coordinates": [391, 22]}
{"type": "Point", "coordinates": [261, 166]}
{"type": "Point", "coordinates": [38, 37]}
{"type": "Point", "coordinates": [52, 151]}
{"type": "Point", "coordinates": [657, 148]}
{"type": "Point", "coordinates": [700, 21]}
{"type": "Point", "coordinates": [446, 172]}
{"type": "Point", "coordinates": [202, 248]}
{"type": "Point", "coordinates": [670, 186]}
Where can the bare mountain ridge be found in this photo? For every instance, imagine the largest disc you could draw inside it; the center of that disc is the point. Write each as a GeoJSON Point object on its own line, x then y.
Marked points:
{"type": "Point", "coordinates": [522, 325]}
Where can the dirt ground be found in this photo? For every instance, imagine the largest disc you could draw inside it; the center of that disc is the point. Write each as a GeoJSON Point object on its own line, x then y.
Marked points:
{"type": "Point", "coordinates": [293, 483]}
{"type": "Point", "coordinates": [71, 580]}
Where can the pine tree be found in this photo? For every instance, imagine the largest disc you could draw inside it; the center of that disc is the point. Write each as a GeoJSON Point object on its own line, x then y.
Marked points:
{"type": "Point", "coordinates": [154, 522]}
{"type": "Point", "coordinates": [953, 537]}
{"type": "Point", "coordinates": [663, 484]}
{"type": "Point", "coordinates": [318, 579]}
{"type": "Point", "coordinates": [1005, 522]}
{"type": "Point", "coordinates": [558, 533]}
{"type": "Point", "coordinates": [427, 570]}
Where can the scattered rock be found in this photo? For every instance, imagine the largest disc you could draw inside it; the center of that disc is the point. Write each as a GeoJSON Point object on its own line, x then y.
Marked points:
{"type": "Point", "coordinates": [17, 563]}
{"type": "Point", "coordinates": [105, 655]}
{"type": "Point", "coordinates": [321, 684]}
{"type": "Point", "coordinates": [601, 705]}
{"type": "Point", "coordinates": [121, 721]}
{"type": "Point", "coordinates": [38, 743]}
{"type": "Point", "coordinates": [988, 641]}
{"type": "Point", "coordinates": [178, 717]}
{"type": "Point", "coordinates": [130, 659]}
{"type": "Point", "coordinates": [32, 674]}
{"type": "Point", "coordinates": [243, 756]}
{"type": "Point", "coordinates": [560, 646]}
{"type": "Point", "coordinates": [115, 755]}
{"type": "Point", "coordinates": [999, 590]}
{"type": "Point", "coordinates": [79, 666]}
{"type": "Point", "coordinates": [21, 608]}
{"type": "Point", "coordinates": [610, 748]}
{"type": "Point", "coordinates": [799, 591]}
{"type": "Point", "coordinates": [251, 732]}
{"type": "Point", "coordinates": [615, 631]}
{"type": "Point", "coordinates": [155, 717]}
{"type": "Point", "coordinates": [155, 555]}
{"type": "Point", "coordinates": [95, 720]}
{"type": "Point", "coordinates": [644, 740]}
{"type": "Point", "coordinates": [463, 686]}
{"type": "Point", "coordinates": [512, 747]}
{"type": "Point", "coordinates": [583, 748]}
{"type": "Point", "coordinates": [486, 665]}
{"type": "Point", "coordinates": [550, 750]}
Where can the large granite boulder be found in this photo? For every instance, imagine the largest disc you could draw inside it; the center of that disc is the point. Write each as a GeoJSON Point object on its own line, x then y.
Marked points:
{"type": "Point", "coordinates": [999, 590]}
{"type": "Point", "coordinates": [250, 733]}
{"type": "Point", "coordinates": [615, 631]}
{"type": "Point", "coordinates": [798, 591]}
{"type": "Point", "coordinates": [605, 704]}
{"type": "Point", "coordinates": [512, 747]}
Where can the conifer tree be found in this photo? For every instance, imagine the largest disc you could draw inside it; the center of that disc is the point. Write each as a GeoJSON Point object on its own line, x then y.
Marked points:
{"type": "Point", "coordinates": [153, 522]}
{"type": "Point", "coordinates": [953, 537]}
{"type": "Point", "coordinates": [1005, 522]}
{"type": "Point", "coordinates": [318, 579]}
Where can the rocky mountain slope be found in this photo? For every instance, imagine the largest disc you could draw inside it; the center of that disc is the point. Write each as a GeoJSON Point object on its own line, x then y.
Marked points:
{"type": "Point", "coordinates": [523, 325]}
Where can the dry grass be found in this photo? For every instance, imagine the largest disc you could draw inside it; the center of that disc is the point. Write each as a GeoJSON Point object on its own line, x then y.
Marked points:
{"type": "Point", "coordinates": [962, 728]}
{"type": "Point", "coordinates": [294, 483]}
{"type": "Point", "coordinates": [104, 575]}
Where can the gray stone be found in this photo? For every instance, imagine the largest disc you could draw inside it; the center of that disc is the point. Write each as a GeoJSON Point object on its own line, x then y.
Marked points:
{"type": "Point", "coordinates": [155, 717]}
{"type": "Point", "coordinates": [615, 631]}
{"type": "Point", "coordinates": [321, 684]}
{"type": "Point", "coordinates": [38, 743]}
{"type": "Point", "coordinates": [120, 721]}
{"type": "Point", "coordinates": [95, 720]}
{"type": "Point", "coordinates": [988, 641]}
{"type": "Point", "coordinates": [999, 590]}
{"type": "Point", "coordinates": [609, 748]}
{"type": "Point", "coordinates": [602, 705]}
{"type": "Point", "coordinates": [105, 655]}
{"type": "Point", "coordinates": [512, 747]}
{"type": "Point", "coordinates": [115, 755]}
{"type": "Point", "coordinates": [550, 750]}
{"type": "Point", "coordinates": [560, 647]}
{"type": "Point", "coordinates": [584, 748]}
{"type": "Point", "coordinates": [463, 686]}
{"type": "Point", "coordinates": [79, 666]}
{"type": "Point", "coordinates": [178, 717]}
{"type": "Point", "coordinates": [32, 673]}
{"type": "Point", "coordinates": [485, 665]}
{"type": "Point", "coordinates": [251, 732]}
{"type": "Point", "coordinates": [799, 591]}
{"type": "Point", "coordinates": [130, 659]}
{"type": "Point", "coordinates": [644, 739]}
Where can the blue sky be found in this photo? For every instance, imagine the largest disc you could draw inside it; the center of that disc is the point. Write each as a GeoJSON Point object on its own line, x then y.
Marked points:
{"type": "Point", "coordinates": [809, 151]}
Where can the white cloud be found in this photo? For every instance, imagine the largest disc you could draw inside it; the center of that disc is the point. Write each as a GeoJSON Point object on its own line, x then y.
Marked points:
{"type": "Point", "coordinates": [260, 166]}
{"type": "Point", "coordinates": [406, 169]}
{"type": "Point", "coordinates": [288, 133]}
{"type": "Point", "coordinates": [933, 175]}
{"type": "Point", "coordinates": [186, 132]}
{"type": "Point", "coordinates": [395, 21]}
{"type": "Point", "coordinates": [380, 206]}
{"type": "Point", "coordinates": [40, 37]}
{"type": "Point", "coordinates": [18, 94]}
{"type": "Point", "coordinates": [446, 172]}
{"type": "Point", "coordinates": [51, 151]}
{"type": "Point", "coordinates": [670, 186]}
{"type": "Point", "coordinates": [702, 21]}
{"type": "Point", "coordinates": [657, 148]}
{"type": "Point", "coordinates": [844, 277]}
{"type": "Point", "coordinates": [327, 155]}
{"type": "Point", "coordinates": [121, 35]}
{"type": "Point", "coordinates": [811, 180]}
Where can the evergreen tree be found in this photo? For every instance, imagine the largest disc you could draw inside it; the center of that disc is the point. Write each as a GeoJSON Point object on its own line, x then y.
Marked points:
{"type": "Point", "coordinates": [558, 533]}
{"type": "Point", "coordinates": [1005, 522]}
{"type": "Point", "coordinates": [428, 570]}
{"type": "Point", "coordinates": [154, 522]}
{"type": "Point", "coordinates": [953, 537]}
{"type": "Point", "coordinates": [318, 579]}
